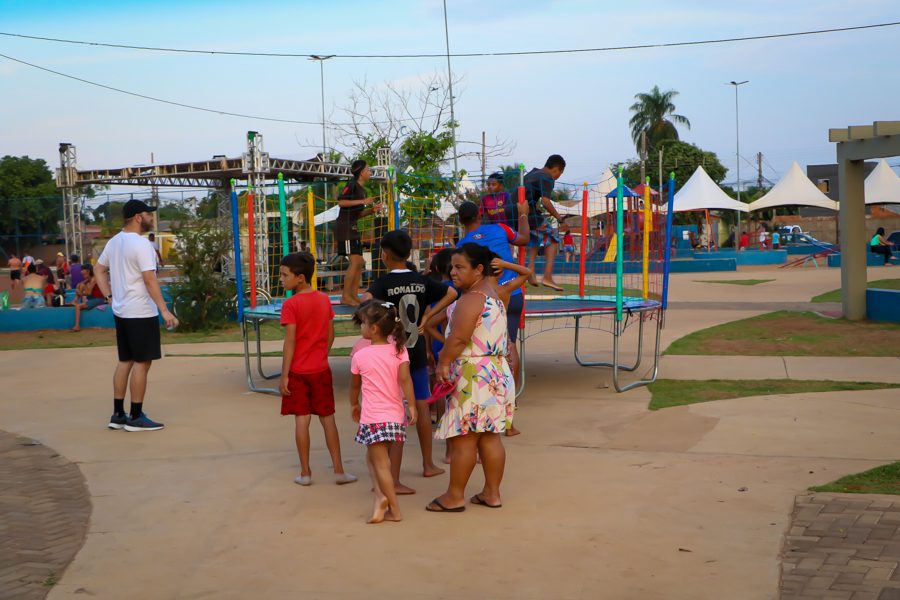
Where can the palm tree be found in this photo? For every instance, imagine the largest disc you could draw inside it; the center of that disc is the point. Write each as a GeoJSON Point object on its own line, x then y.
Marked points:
{"type": "Point", "coordinates": [654, 114]}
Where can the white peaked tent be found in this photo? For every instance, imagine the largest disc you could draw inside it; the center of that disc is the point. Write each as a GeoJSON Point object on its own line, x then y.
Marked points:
{"type": "Point", "coordinates": [596, 195]}
{"type": "Point", "coordinates": [882, 185]}
{"type": "Point", "coordinates": [701, 193]}
{"type": "Point", "coordinates": [794, 189]}
{"type": "Point", "coordinates": [327, 216]}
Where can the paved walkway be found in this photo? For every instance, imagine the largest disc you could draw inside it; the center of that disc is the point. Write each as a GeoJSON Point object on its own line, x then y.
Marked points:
{"type": "Point", "coordinates": [842, 546]}
{"type": "Point", "coordinates": [602, 499]}
{"type": "Point", "coordinates": [44, 511]}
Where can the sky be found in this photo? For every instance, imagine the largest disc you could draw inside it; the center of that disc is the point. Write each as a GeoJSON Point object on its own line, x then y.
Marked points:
{"type": "Point", "coordinates": [571, 104]}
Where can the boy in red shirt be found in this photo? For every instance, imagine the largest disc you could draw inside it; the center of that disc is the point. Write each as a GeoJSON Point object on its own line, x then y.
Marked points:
{"type": "Point", "coordinates": [306, 388]}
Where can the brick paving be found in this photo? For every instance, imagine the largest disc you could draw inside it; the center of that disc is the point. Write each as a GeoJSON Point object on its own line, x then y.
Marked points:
{"type": "Point", "coordinates": [44, 512]}
{"type": "Point", "coordinates": [842, 546]}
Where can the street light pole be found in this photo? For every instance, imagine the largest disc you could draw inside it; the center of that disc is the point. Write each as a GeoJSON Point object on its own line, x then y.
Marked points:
{"type": "Point", "coordinates": [737, 155]}
{"type": "Point", "coordinates": [322, 58]}
{"type": "Point", "coordinates": [450, 89]}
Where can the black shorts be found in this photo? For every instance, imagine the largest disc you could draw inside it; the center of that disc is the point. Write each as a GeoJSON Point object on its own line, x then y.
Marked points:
{"type": "Point", "coordinates": [347, 247]}
{"type": "Point", "coordinates": [138, 339]}
{"type": "Point", "coordinates": [514, 316]}
{"type": "Point", "coordinates": [15, 274]}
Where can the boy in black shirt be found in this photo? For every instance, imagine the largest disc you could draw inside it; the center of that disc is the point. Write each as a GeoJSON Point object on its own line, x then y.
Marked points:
{"type": "Point", "coordinates": [353, 202]}
{"type": "Point", "coordinates": [538, 193]}
{"type": "Point", "coordinates": [412, 293]}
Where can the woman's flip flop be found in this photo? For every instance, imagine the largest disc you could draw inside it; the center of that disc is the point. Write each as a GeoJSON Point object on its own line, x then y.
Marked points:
{"type": "Point", "coordinates": [442, 508]}
{"type": "Point", "coordinates": [477, 499]}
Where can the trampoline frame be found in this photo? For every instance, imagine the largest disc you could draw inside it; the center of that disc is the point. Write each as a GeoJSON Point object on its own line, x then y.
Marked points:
{"type": "Point", "coordinates": [643, 312]}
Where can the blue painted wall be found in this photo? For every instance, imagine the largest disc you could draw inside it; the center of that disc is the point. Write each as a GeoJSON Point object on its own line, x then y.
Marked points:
{"type": "Point", "coordinates": [883, 305]}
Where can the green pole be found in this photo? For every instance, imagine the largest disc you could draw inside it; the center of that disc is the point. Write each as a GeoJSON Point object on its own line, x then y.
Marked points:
{"type": "Point", "coordinates": [620, 226]}
{"type": "Point", "coordinates": [282, 209]}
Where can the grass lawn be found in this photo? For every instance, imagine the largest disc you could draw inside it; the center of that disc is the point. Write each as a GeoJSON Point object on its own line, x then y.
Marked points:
{"type": "Point", "coordinates": [678, 392]}
{"type": "Point", "coordinates": [880, 480]}
{"type": "Point", "coordinates": [786, 333]}
{"type": "Point", "coordinates": [734, 281]}
{"type": "Point", "coordinates": [835, 295]}
{"type": "Point", "coordinates": [89, 338]}
{"type": "Point", "coordinates": [589, 290]}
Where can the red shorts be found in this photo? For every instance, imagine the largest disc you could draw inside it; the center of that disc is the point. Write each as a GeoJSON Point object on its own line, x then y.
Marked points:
{"type": "Point", "coordinates": [49, 289]}
{"type": "Point", "coordinates": [311, 394]}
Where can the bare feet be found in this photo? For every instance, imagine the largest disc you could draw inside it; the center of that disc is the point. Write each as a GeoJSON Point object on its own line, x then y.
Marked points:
{"type": "Point", "coordinates": [547, 282]}
{"type": "Point", "coordinates": [446, 459]}
{"type": "Point", "coordinates": [391, 516]}
{"type": "Point", "coordinates": [378, 510]}
{"type": "Point", "coordinates": [432, 470]}
{"type": "Point", "coordinates": [512, 431]}
{"type": "Point", "coordinates": [350, 301]}
{"type": "Point", "coordinates": [403, 490]}
{"type": "Point", "coordinates": [74, 329]}
{"type": "Point", "coordinates": [533, 281]}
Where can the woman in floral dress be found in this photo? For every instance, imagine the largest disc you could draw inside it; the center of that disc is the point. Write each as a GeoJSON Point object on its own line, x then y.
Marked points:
{"type": "Point", "coordinates": [480, 408]}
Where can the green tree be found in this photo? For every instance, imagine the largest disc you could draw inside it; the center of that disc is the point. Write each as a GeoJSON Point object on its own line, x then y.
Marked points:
{"type": "Point", "coordinates": [654, 114]}
{"type": "Point", "coordinates": [680, 158]}
{"type": "Point", "coordinates": [202, 297]}
{"type": "Point", "coordinates": [29, 200]}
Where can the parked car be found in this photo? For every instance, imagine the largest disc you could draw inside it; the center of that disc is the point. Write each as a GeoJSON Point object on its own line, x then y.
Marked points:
{"type": "Point", "coordinates": [788, 229]}
{"type": "Point", "coordinates": [796, 239]}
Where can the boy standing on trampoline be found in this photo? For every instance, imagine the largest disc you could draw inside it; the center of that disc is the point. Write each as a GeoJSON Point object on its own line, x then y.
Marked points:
{"type": "Point", "coordinates": [413, 294]}
{"type": "Point", "coordinates": [538, 193]}
{"type": "Point", "coordinates": [352, 203]}
{"type": "Point", "coordinates": [306, 387]}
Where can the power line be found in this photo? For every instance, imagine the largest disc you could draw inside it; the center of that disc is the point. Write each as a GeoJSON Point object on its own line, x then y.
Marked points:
{"type": "Point", "coordinates": [191, 106]}
{"type": "Point", "coordinates": [460, 54]}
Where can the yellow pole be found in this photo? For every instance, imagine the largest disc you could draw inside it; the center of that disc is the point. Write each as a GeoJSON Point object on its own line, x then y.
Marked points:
{"type": "Point", "coordinates": [390, 200]}
{"type": "Point", "coordinates": [311, 227]}
{"type": "Point", "coordinates": [647, 218]}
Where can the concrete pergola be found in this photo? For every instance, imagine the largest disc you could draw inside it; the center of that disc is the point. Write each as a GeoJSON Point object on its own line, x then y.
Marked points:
{"type": "Point", "coordinates": [855, 145]}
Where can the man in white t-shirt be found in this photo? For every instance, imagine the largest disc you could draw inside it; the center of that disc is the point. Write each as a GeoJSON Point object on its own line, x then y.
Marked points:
{"type": "Point", "coordinates": [126, 274]}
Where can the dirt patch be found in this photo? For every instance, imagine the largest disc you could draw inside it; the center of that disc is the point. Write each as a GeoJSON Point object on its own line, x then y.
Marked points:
{"type": "Point", "coordinates": [787, 333]}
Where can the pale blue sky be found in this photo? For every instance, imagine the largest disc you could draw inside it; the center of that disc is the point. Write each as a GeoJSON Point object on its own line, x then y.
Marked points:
{"type": "Point", "coordinates": [575, 105]}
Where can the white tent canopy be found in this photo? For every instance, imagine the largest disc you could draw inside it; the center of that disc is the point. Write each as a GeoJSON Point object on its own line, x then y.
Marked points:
{"type": "Point", "coordinates": [794, 189]}
{"type": "Point", "coordinates": [701, 193]}
{"type": "Point", "coordinates": [882, 185]}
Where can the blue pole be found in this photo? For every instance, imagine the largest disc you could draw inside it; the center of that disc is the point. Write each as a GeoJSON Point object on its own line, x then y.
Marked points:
{"type": "Point", "coordinates": [236, 237]}
{"type": "Point", "coordinates": [668, 241]}
{"type": "Point", "coordinates": [620, 242]}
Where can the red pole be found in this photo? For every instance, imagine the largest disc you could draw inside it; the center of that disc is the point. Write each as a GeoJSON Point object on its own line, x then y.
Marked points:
{"type": "Point", "coordinates": [584, 231]}
{"type": "Point", "coordinates": [251, 251]}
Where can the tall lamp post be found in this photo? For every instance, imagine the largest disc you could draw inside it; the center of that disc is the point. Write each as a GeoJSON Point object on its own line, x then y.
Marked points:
{"type": "Point", "coordinates": [737, 156]}
{"type": "Point", "coordinates": [450, 89]}
{"type": "Point", "coordinates": [322, 58]}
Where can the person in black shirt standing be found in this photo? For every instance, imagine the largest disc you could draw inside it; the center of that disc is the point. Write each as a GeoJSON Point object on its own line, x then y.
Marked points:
{"type": "Point", "coordinates": [353, 202]}
{"type": "Point", "coordinates": [412, 293]}
{"type": "Point", "coordinates": [538, 193]}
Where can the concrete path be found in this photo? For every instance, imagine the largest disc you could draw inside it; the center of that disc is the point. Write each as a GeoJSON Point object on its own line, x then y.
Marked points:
{"type": "Point", "coordinates": [602, 498]}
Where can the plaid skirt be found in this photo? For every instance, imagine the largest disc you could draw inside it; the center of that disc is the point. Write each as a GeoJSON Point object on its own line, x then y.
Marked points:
{"type": "Point", "coordinates": [373, 433]}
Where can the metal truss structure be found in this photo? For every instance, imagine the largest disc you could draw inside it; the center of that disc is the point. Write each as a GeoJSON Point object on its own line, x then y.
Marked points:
{"type": "Point", "coordinates": [255, 167]}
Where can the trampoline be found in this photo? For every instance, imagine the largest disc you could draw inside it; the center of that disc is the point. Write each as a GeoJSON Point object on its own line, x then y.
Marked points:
{"type": "Point", "coordinates": [625, 285]}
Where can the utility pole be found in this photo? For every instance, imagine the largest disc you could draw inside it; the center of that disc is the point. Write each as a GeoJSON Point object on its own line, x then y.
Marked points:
{"type": "Point", "coordinates": [483, 159]}
{"type": "Point", "coordinates": [660, 176]}
{"type": "Point", "coordinates": [759, 177]}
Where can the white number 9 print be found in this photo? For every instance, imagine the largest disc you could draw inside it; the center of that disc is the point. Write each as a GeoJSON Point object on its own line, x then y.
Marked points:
{"type": "Point", "coordinates": [410, 322]}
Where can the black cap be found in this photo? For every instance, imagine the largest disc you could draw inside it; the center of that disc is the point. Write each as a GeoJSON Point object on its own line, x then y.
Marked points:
{"type": "Point", "coordinates": [134, 207]}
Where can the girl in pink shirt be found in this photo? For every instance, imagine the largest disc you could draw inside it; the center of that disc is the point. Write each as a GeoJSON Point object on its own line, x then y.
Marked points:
{"type": "Point", "coordinates": [380, 374]}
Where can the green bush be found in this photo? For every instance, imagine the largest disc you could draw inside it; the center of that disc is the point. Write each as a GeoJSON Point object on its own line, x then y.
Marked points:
{"type": "Point", "coordinates": [202, 298]}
